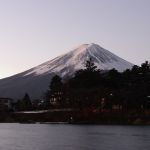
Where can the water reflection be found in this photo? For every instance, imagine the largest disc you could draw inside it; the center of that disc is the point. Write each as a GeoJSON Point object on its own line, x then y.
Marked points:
{"type": "Point", "coordinates": [73, 137]}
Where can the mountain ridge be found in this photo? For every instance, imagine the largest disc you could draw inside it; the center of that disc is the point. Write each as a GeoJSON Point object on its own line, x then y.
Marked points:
{"type": "Point", "coordinates": [35, 81]}
{"type": "Point", "coordinates": [76, 55]}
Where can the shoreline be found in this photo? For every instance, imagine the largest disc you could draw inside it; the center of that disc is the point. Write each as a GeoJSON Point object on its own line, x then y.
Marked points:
{"type": "Point", "coordinates": [75, 118]}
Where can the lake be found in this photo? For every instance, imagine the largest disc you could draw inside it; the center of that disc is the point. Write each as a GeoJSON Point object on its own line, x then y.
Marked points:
{"type": "Point", "coordinates": [73, 137]}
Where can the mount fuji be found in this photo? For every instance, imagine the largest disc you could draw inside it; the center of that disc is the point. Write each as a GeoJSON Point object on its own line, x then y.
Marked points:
{"type": "Point", "coordinates": [36, 80]}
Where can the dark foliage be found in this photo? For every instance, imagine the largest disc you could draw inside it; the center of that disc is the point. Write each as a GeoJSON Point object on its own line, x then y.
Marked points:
{"type": "Point", "coordinates": [24, 104]}
{"type": "Point", "coordinates": [90, 87]}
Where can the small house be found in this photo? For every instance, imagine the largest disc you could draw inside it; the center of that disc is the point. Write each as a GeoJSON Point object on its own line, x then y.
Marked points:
{"type": "Point", "coordinates": [6, 104]}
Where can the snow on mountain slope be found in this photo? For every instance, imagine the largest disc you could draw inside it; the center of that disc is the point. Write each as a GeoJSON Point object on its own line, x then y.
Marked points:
{"type": "Point", "coordinates": [36, 80]}
{"type": "Point", "coordinates": [74, 60]}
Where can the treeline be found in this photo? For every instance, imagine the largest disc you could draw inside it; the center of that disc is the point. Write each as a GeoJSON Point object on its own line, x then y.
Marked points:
{"type": "Point", "coordinates": [91, 87]}
{"type": "Point", "coordinates": [94, 88]}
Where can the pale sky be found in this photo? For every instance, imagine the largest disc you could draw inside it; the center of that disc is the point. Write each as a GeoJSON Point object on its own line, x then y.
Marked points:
{"type": "Point", "coordinates": [35, 31]}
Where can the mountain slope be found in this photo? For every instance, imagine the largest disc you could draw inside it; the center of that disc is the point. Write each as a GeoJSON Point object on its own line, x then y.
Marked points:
{"type": "Point", "coordinates": [36, 80]}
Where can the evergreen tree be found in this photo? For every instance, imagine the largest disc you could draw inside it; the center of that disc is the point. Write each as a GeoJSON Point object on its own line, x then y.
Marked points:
{"type": "Point", "coordinates": [88, 77]}
{"type": "Point", "coordinates": [27, 101]}
{"type": "Point", "coordinates": [56, 84]}
{"type": "Point", "coordinates": [46, 97]}
{"type": "Point", "coordinates": [56, 93]}
{"type": "Point", "coordinates": [25, 104]}
{"type": "Point", "coordinates": [145, 67]}
{"type": "Point", "coordinates": [84, 85]}
{"type": "Point", "coordinates": [90, 66]}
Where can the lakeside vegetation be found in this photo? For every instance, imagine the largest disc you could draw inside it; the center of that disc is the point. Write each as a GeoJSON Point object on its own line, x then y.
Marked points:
{"type": "Point", "coordinates": [91, 87]}
{"type": "Point", "coordinates": [93, 96]}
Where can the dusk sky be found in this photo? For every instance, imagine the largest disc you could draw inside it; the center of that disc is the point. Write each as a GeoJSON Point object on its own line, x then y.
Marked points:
{"type": "Point", "coordinates": [35, 31]}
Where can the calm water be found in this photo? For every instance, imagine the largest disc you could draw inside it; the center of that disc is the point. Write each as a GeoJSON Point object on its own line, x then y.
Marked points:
{"type": "Point", "coordinates": [73, 137]}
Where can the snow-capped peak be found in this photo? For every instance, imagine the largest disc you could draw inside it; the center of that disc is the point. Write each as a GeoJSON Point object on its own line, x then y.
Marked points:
{"type": "Point", "coordinates": [74, 60]}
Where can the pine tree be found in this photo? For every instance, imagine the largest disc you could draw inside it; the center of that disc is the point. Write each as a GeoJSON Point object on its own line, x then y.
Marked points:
{"type": "Point", "coordinates": [56, 94]}
{"type": "Point", "coordinates": [90, 66]}
{"type": "Point", "coordinates": [26, 104]}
